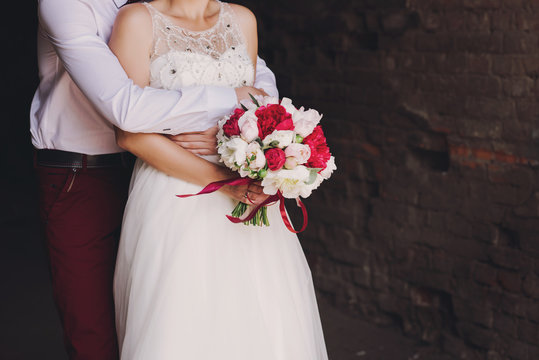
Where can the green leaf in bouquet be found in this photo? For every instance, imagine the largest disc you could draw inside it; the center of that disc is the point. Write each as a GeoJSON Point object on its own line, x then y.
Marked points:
{"type": "Point", "coordinates": [244, 107]}
{"type": "Point", "coordinates": [299, 139]}
{"type": "Point", "coordinates": [312, 176]}
{"type": "Point", "coordinates": [254, 100]}
{"type": "Point", "coordinates": [274, 143]}
{"type": "Point", "coordinates": [253, 157]}
{"type": "Point", "coordinates": [259, 142]}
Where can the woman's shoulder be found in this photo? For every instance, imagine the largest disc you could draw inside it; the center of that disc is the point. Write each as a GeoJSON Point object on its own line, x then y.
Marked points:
{"type": "Point", "coordinates": [134, 15]}
{"type": "Point", "coordinates": [244, 14]}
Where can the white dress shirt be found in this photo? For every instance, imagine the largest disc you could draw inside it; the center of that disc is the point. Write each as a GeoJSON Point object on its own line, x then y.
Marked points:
{"type": "Point", "coordinates": [84, 90]}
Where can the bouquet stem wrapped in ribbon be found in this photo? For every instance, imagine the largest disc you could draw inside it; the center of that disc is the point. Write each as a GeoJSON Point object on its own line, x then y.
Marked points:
{"type": "Point", "coordinates": [273, 142]}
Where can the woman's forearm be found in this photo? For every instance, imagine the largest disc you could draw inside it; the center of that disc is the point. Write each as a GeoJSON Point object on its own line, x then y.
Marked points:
{"type": "Point", "coordinates": [171, 159]}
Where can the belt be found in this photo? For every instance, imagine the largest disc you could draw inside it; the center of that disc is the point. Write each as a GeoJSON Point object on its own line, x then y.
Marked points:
{"type": "Point", "coordinates": [67, 159]}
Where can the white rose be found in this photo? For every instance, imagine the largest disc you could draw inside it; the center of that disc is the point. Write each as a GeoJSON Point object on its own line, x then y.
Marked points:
{"type": "Point", "coordinates": [248, 126]}
{"type": "Point", "coordinates": [244, 171]}
{"type": "Point", "coordinates": [330, 167]}
{"type": "Point", "coordinates": [291, 183]}
{"type": "Point", "coordinates": [306, 121]}
{"type": "Point", "coordinates": [221, 137]}
{"type": "Point", "coordinates": [291, 163]}
{"type": "Point", "coordinates": [223, 121]}
{"type": "Point", "coordinates": [301, 152]}
{"type": "Point", "coordinates": [282, 137]}
{"type": "Point", "coordinates": [233, 152]}
{"type": "Point", "coordinates": [287, 104]}
{"type": "Point", "coordinates": [253, 149]}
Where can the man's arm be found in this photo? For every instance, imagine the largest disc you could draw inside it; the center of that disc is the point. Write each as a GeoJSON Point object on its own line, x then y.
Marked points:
{"type": "Point", "coordinates": [265, 79]}
{"type": "Point", "coordinates": [71, 28]}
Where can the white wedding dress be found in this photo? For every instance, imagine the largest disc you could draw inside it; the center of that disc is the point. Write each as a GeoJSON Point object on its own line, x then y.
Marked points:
{"type": "Point", "coordinates": [189, 284]}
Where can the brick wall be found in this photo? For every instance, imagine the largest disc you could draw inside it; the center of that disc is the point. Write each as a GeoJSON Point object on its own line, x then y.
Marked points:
{"type": "Point", "coordinates": [431, 108]}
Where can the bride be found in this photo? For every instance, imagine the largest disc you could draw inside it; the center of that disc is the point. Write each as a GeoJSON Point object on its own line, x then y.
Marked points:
{"type": "Point", "coordinates": [189, 284]}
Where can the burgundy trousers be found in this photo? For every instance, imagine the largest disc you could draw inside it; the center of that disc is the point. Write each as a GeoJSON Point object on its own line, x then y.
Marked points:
{"type": "Point", "coordinates": [81, 211]}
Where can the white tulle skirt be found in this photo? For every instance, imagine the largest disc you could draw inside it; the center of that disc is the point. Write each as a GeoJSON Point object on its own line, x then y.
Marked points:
{"type": "Point", "coordinates": [191, 285]}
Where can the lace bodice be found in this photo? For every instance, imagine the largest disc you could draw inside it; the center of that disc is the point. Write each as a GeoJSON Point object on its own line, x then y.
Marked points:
{"type": "Point", "coordinates": [216, 56]}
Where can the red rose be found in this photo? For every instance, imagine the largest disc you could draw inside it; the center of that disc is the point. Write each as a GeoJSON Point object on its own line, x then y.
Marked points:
{"type": "Point", "coordinates": [319, 149]}
{"type": "Point", "coordinates": [273, 117]}
{"type": "Point", "coordinates": [231, 127]}
{"type": "Point", "coordinates": [286, 124]}
{"type": "Point", "coordinates": [275, 158]}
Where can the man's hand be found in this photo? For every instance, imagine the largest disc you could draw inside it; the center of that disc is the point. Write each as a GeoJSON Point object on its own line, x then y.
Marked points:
{"type": "Point", "coordinates": [243, 92]}
{"type": "Point", "coordinates": [199, 143]}
{"type": "Point", "coordinates": [205, 142]}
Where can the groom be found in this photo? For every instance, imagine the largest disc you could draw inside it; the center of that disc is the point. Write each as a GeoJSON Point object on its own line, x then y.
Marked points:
{"type": "Point", "coordinates": [83, 175]}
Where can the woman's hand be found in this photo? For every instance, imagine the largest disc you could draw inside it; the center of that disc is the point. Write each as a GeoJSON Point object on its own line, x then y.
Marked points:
{"type": "Point", "coordinates": [250, 194]}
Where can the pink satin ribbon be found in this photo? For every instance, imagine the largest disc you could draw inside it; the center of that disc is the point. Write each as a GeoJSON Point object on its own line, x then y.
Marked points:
{"type": "Point", "coordinates": [215, 186]}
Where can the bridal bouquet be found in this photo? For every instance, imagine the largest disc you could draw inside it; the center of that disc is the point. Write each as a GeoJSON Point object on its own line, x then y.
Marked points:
{"type": "Point", "coordinates": [274, 142]}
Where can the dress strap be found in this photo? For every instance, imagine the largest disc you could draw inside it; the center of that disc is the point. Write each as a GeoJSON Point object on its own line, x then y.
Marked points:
{"type": "Point", "coordinates": [157, 21]}
{"type": "Point", "coordinates": [231, 24]}
{"type": "Point", "coordinates": [153, 12]}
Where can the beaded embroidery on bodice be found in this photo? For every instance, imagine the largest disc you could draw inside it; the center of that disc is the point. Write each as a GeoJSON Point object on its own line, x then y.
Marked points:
{"type": "Point", "coordinates": [216, 56]}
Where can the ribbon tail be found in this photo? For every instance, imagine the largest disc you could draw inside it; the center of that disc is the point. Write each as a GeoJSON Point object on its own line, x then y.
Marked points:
{"type": "Point", "coordinates": [284, 215]}
{"type": "Point", "coordinates": [215, 186]}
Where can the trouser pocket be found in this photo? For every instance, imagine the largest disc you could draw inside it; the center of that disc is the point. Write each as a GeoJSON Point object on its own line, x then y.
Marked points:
{"type": "Point", "coordinates": [53, 184]}
{"type": "Point", "coordinates": [70, 181]}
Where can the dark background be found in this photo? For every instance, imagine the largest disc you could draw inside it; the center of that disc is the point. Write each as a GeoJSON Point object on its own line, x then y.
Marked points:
{"type": "Point", "coordinates": [429, 227]}
{"type": "Point", "coordinates": [27, 316]}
